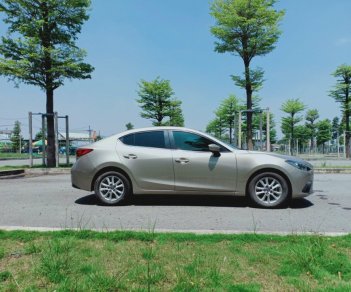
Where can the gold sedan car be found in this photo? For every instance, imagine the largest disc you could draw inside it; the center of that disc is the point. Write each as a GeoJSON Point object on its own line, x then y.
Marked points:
{"type": "Point", "coordinates": [172, 160]}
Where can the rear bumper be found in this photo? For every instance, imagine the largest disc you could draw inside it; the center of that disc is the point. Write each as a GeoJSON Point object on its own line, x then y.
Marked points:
{"type": "Point", "coordinates": [80, 179]}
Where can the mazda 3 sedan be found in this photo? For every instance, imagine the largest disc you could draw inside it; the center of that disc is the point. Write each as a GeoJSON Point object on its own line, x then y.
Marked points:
{"type": "Point", "coordinates": [172, 160]}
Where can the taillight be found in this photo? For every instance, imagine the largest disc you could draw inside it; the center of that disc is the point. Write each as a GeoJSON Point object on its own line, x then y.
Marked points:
{"type": "Point", "coordinates": [82, 151]}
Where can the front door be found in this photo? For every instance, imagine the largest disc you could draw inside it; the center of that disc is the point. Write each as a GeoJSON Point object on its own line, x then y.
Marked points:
{"type": "Point", "coordinates": [198, 169]}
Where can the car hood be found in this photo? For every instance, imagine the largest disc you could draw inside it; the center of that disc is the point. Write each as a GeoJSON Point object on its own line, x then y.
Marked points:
{"type": "Point", "coordinates": [285, 157]}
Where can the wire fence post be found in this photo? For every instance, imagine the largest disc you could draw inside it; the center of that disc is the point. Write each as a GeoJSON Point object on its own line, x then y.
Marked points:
{"type": "Point", "coordinates": [67, 141]}
{"type": "Point", "coordinates": [268, 131]}
{"type": "Point", "coordinates": [56, 139]}
{"type": "Point", "coordinates": [344, 144]}
{"type": "Point", "coordinates": [239, 130]}
{"type": "Point", "coordinates": [43, 116]}
{"type": "Point", "coordinates": [30, 146]}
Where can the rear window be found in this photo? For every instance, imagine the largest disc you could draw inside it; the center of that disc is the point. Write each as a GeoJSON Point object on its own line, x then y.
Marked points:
{"type": "Point", "coordinates": [154, 139]}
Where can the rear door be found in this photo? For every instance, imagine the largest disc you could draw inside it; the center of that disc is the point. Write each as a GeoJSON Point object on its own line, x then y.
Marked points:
{"type": "Point", "coordinates": [148, 157]}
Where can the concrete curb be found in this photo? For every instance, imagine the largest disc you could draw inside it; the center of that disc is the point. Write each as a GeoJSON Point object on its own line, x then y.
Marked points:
{"type": "Point", "coordinates": [194, 231]}
{"type": "Point", "coordinates": [47, 171]}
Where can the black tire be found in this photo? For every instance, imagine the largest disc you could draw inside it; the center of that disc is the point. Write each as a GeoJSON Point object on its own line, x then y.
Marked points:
{"type": "Point", "coordinates": [269, 190]}
{"type": "Point", "coordinates": [112, 188]}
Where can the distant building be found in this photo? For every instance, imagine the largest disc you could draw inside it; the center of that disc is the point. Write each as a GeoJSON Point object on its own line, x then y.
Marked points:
{"type": "Point", "coordinates": [76, 139]}
{"type": "Point", "coordinates": [5, 135]}
{"type": "Point", "coordinates": [75, 136]}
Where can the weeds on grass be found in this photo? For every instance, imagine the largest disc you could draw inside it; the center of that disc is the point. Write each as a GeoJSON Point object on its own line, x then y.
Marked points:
{"type": "Point", "coordinates": [32, 248]}
{"type": "Point", "coordinates": [314, 256]}
{"type": "Point", "coordinates": [56, 260]}
{"type": "Point", "coordinates": [2, 252]}
{"type": "Point", "coordinates": [100, 281]}
{"type": "Point", "coordinates": [4, 276]}
{"type": "Point", "coordinates": [89, 261]}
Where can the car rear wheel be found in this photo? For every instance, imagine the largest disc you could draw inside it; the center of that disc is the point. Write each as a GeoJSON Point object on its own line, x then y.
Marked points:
{"type": "Point", "coordinates": [269, 190]}
{"type": "Point", "coordinates": [112, 188]}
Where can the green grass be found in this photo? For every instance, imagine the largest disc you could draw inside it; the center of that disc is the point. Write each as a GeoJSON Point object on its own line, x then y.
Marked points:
{"type": "Point", "coordinates": [14, 167]}
{"type": "Point", "coordinates": [147, 261]}
{"type": "Point", "coordinates": [14, 155]}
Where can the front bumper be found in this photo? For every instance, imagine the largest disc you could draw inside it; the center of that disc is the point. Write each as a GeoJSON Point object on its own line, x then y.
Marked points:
{"type": "Point", "coordinates": [302, 186]}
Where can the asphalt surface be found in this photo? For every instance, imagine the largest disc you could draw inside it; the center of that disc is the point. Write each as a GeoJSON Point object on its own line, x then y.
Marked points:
{"type": "Point", "coordinates": [50, 201]}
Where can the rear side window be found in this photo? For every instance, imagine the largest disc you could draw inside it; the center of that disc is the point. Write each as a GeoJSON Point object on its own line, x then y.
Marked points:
{"type": "Point", "coordinates": [154, 139]}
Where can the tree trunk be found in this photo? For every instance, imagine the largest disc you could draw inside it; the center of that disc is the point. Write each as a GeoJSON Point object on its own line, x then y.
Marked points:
{"type": "Point", "coordinates": [51, 150]}
{"type": "Point", "coordinates": [248, 88]}
{"type": "Point", "coordinates": [47, 45]}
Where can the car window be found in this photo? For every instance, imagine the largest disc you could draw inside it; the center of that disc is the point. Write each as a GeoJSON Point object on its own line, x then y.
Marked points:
{"type": "Point", "coordinates": [191, 142]}
{"type": "Point", "coordinates": [145, 139]}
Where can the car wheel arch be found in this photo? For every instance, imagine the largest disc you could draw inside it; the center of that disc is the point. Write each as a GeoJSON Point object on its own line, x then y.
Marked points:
{"type": "Point", "coordinates": [273, 170]}
{"type": "Point", "coordinates": [111, 168]}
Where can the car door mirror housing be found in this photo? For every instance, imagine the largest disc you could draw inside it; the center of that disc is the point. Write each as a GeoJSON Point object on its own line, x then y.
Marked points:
{"type": "Point", "coordinates": [215, 149]}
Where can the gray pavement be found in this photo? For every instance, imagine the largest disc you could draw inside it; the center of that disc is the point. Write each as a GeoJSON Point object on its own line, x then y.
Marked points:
{"type": "Point", "coordinates": [50, 201]}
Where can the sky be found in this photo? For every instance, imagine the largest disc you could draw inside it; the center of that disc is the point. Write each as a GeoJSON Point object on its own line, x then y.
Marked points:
{"type": "Point", "coordinates": [130, 40]}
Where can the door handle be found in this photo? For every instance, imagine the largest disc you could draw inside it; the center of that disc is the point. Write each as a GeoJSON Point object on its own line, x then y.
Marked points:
{"type": "Point", "coordinates": [130, 156]}
{"type": "Point", "coordinates": [182, 160]}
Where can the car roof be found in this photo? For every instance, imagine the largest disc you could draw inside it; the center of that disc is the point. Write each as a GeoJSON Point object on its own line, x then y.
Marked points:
{"type": "Point", "coordinates": [156, 128]}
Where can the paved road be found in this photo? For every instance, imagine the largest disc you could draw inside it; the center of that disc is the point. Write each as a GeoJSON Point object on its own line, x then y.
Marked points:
{"type": "Point", "coordinates": [50, 201]}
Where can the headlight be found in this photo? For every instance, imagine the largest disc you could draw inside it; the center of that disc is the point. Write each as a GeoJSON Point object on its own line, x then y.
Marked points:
{"type": "Point", "coordinates": [299, 165]}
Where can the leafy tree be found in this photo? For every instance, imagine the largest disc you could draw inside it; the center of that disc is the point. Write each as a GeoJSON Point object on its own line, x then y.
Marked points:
{"type": "Point", "coordinates": [129, 126]}
{"type": "Point", "coordinates": [291, 107]}
{"type": "Point", "coordinates": [39, 48]}
{"type": "Point", "coordinates": [336, 130]}
{"type": "Point", "coordinates": [302, 135]}
{"type": "Point", "coordinates": [16, 137]}
{"type": "Point", "coordinates": [228, 113]}
{"type": "Point", "coordinates": [272, 125]}
{"type": "Point", "coordinates": [246, 28]}
{"type": "Point", "coordinates": [176, 117]}
{"type": "Point", "coordinates": [157, 102]}
{"type": "Point", "coordinates": [39, 134]}
{"type": "Point", "coordinates": [225, 121]}
{"type": "Point", "coordinates": [341, 94]}
{"type": "Point", "coordinates": [216, 128]}
{"type": "Point", "coordinates": [311, 116]}
{"type": "Point", "coordinates": [324, 132]}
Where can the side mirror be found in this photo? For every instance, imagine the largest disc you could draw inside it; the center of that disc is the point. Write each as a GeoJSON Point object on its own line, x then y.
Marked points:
{"type": "Point", "coordinates": [215, 149]}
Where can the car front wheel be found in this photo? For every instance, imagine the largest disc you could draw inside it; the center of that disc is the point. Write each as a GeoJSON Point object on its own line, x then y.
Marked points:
{"type": "Point", "coordinates": [269, 190]}
{"type": "Point", "coordinates": [112, 188]}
